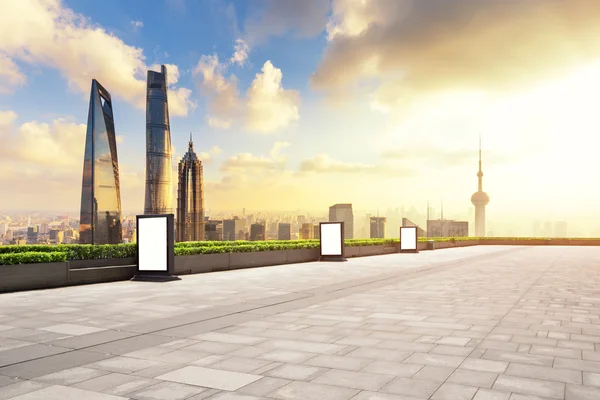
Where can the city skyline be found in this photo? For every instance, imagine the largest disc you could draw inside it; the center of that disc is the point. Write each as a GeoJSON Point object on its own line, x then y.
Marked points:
{"type": "Point", "coordinates": [315, 126]}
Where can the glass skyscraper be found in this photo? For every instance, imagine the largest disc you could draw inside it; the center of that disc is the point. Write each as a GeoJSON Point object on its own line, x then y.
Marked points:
{"type": "Point", "coordinates": [100, 221]}
{"type": "Point", "coordinates": [190, 198]}
{"type": "Point", "coordinates": [159, 189]}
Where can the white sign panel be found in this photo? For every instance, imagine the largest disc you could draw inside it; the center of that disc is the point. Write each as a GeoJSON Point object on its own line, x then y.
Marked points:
{"type": "Point", "coordinates": [408, 238]}
{"type": "Point", "coordinates": [152, 244]}
{"type": "Point", "coordinates": [331, 239]}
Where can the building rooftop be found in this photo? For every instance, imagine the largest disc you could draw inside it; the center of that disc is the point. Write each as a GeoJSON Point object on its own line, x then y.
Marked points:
{"type": "Point", "coordinates": [473, 322]}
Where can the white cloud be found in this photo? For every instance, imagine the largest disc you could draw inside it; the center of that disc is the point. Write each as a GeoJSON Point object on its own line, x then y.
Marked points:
{"type": "Point", "coordinates": [208, 156]}
{"type": "Point", "coordinates": [248, 163]}
{"type": "Point", "coordinates": [10, 75]}
{"type": "Point", "coordinates": [6, 119]}
{"type": "Point", "coordinates": [79, 49]}
{"type": "Point", "coordinates": [270, 106]}
{"type": "Point", "coordinates": [240, 56]}
{"type": "Point", "coordinates": [137, 25]}
{"type": "Point", "coordinates": [266, 108]}
{"type": "Point", "coordinates": [323, 163]}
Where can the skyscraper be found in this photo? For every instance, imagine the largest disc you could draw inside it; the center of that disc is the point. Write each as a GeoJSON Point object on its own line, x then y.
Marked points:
{"type": "Point", "coordinates": [284, 231]}
{"type": "Point", "coordinates": [100, 219]}
{"type": "Point", "coordinates": [377, 227]}
{"type": "Point", "coordinates": [343, 213]}
{"type": "Point", "coordinates": [159, 190]}
{"type": "Point", "coordinates": [480, 199]}
{"type": "Point", "coordinates": [190, 198]}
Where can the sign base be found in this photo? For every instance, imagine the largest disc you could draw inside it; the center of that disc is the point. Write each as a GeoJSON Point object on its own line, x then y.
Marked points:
{"type": "Point", "coordinates": [409, 251]}
{"type": "Point", "coordinates": [155, 278]}
{"type": "Point", "coordinates": [332, 258]}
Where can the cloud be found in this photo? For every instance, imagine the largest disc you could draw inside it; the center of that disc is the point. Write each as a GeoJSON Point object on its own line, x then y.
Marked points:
{"type": "Point", "coordinates": [10, 75]}
{"type": "Point", "coordinates": [266, 108]}
{"type": "Point", "coordinates": [79, 49]}
{"type": "Point", "coordinates": [246, 162]}
{"type": "Point", "coordinates": [208, 156]}
{"type": "Point", "coordinates": [240, 56]}
{"type": "Point", "coordinates": [323, 163]}
{"type": "Point", "coordinates": [137, 25]}
{"type": "Point", "coordinates": [306, 18]}
{"type": "Point", "coordinates": [270, 106]}
{"type": "Point", "coordinates": [418, 47]}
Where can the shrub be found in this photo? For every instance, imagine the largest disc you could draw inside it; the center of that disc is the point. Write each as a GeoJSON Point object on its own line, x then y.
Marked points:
{"type": "Point", "coordinates": [32, 257]}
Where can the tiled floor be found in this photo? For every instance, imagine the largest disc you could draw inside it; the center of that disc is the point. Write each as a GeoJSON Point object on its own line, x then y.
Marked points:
{"type": "Point", "coordinates": [476, 323]}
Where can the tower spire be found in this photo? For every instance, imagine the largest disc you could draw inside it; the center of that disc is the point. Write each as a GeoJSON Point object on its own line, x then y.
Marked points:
{"type": "Point", "coordinates": [480, 173]}
{"type": "Point", "coordinates": [191, 144]}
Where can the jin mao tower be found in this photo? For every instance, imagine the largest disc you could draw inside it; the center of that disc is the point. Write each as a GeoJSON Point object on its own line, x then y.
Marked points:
{"type": "Point", "coordinates": [190, 198]}
{"type": "Point", "coordinates": [159, 189]}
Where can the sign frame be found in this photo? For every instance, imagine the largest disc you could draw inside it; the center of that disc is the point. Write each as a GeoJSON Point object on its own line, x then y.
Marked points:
{"type": "Point", "coordinates": [332, 257]}
{"type": "Point", "coordinates": [410, 249]}
{"type": "Point", "coordinates": [158, 274]}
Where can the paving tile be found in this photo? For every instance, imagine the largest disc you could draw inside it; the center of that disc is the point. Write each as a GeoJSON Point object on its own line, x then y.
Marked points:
{"type": "Point", "coordinates": [339, 362]}
{"type": "Point", "coordinates": [129, 387]}
{"type": "Point", "coordinates": [379, 354]}
{"type": "Point", "coordinates": [66, 393]}
{"type": "Point", "coordinates": [434, 373]}
{"type": "Point", "coordinates": [264, 386]}
{"type": "Point", "coordinates": [536, 387]}
{"type": "Point", "coordinates": [239, 364]}
{"type": "Point", "coordinates": [228, 338]}
{"type": "Point", "coordinates": [402, 370]}
{"type": "Point", "coordinates": [210, 378]}
{"type": "Point", "coordinates": [68, 377]}
{"type": "Point", "coordinates": [296, 372]}
{"type": "Point", "coordinates": [578, 392]}
{"type": "Point", "coordinates": [105, 382]}
{"type": "Point", "coordinates": [311, 391]}
{"type": "Point", "coordinates": [453, 391]}
{"type": "Point", "coordinates": [5, 380]}
{"type": "Point", "coordinates": [485, 394]}
{"type": "Point", "coordinates": [353, 379]}
{"type": "Point", "coordinates": [556, 352]}
{"type": "Point", "coordinates": [124, 365]}
{"type": "Point", "coordinates": [287, 356]}
{"type": "Point", "coordinates": [366, 395]}
{"type": "Point", "coordinates": [546, 373]}
{"type": "Point", "coordinates": [484, 365]}
{"type": "Point", "coordinates": [412, 387]}
{"type": "Point", "coordinates": [166, 391]}
{"type": "Point", "coordinates": [577, 365]}
{"type": "Point", "coordinates": [591, 379]}
{"type": "Point", "coordinates": [19, 388]}
{"type": "Point", "coordinates": [437, 360]}
{"type": "Point", "coordinates": [72, 329]}
{"type": "Point", "coordinates": [480, 379]}
{"type": "Point", "coordinates": [233, 396]}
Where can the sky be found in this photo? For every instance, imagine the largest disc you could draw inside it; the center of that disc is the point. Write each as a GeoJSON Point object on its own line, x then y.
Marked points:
{"type": "Point", "coordinates": [304, 104]}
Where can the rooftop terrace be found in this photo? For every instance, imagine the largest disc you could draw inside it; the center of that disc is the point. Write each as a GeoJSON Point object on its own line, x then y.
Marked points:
{"type": "Point", "coordinates": [482, 323]}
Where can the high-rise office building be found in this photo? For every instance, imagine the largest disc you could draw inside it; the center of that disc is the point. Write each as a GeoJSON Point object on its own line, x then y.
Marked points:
{"type": "Point", "coordinates": [100, 219]}
{"type": "Point", "coordinates": [190, 198]}
{"type": "Point", "coordinates": [213, 230]}
{"type": "Point", "coordinates": [159, 189]}
{"type": "Point", "coordinates": [377, 227]}
{"type": "Point", "coordinates": [306, 231]}
{"type": "Point", "coordinates": [257, 232]}
{"type": "Point", "coordinates": [480, 199]}
{"type": "Point", "coordinates": [316, 231]}
{"type": "Point", "coordinates": [343, 213]}
{"type": "Point", "coordinates": [234, 229]}
{"type": "Point", "coordinates": [447, 228]}
{"type": "Point", "coordinates": [284, 231]}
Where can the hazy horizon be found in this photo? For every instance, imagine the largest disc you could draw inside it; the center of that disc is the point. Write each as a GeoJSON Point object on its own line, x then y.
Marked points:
{"type": "Point", "coordinates": [304, 104]}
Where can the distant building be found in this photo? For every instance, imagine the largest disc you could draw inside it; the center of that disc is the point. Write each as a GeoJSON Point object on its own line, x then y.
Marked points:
{"type": "Point", "coordinates": [377, 227]}
{"type": "Point", "coordinates": [560, 229]}
{"type": "Point", "coordinates": [316, 231]}
{"type": "Point", "coordinates": [257, 232]}
{"type": "Point", "coordinates": [343, 213]}
{"type": "Point", "coordinates": [100, 215]}
{"type": "Point", "coordinates": [3, 229]}
{"type": "Point", "coordinates": [406, 223]}
{"type": "Point", "coordinates": [480, 200]}
{"type": "Point", "coordinates": [306, 231]}
{"type": "Point", "coordinates": [190, 198]}
{"type": "Point", "coordinates": [284, 231]}
{"type": "Point", "coordinates": [213, 230]}
{"type": "Point", "coordinates": [447, 228]}
{"type": "Point", "coordinates": [234, 229]}
{"type": "Point", "coordinates": [44, 228]}
{"type": "Point", "coordinates": [56, 236]}
{"type": "Point", "coordinates": [32, 234]}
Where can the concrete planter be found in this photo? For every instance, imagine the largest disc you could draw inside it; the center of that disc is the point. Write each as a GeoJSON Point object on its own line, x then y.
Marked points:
{"type": "Point", "coordinates": [200, 263]}
{"type": "Point", "coordinates": [257, 259]}
{"type": "Point", "coordinates": [302, 255]}
{"type": "Point", "coordinates": [33, 276]}
{"type": "Point", "coordinates": [103, 262]}
{"type": "Point", "coordinates": [83, 276]}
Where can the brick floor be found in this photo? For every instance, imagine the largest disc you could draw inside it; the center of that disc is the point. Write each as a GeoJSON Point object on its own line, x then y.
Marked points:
{"type": "Point", "coordinates": [475, 323]}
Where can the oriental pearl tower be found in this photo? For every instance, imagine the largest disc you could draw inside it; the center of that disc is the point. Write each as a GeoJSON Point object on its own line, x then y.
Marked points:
{"type": "Point", "coordinates": [480, 199]}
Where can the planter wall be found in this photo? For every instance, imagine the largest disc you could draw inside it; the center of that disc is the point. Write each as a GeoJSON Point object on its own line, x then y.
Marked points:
{"type": "Point", "coordinates": [33, 276]}
{"type": "Point", "coordinates": [83, 276]}
{"type": "Point", "coordinates": [104, 262]}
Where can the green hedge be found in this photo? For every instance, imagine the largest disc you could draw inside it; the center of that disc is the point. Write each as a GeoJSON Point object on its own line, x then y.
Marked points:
{"type": "Point", "coordinates": [246, 247]}
{"type": "Point", "coordinates": [31, 257]}
{"type": "Point", "coordinates": [77, 251]}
